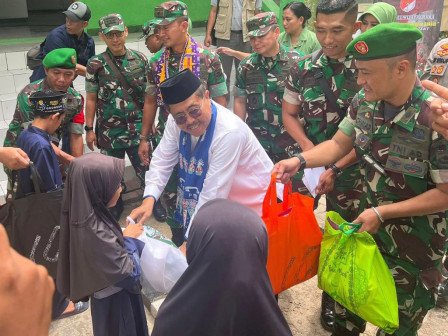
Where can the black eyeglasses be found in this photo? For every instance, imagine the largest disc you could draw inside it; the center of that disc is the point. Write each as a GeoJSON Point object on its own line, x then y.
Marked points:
{"type": "Point", "coordinates": [110, 35]}
{"type": "Point", "coordinates": [181, 118]}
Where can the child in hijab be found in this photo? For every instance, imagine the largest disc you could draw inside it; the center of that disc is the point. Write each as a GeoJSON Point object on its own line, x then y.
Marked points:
{"type": "Point", "coordinates": [226, 289]}
{"type": "Point", "coordinates": [96, 258]}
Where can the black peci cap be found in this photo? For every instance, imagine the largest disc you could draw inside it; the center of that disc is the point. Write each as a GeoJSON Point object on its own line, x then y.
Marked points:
{"type": "Point", "coordinates": [180, 87]}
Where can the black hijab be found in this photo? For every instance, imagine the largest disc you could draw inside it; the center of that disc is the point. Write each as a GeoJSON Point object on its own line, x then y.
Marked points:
{"type": "Point", "coordinates": [91, 248]}
{"type": "Point", "coordinates": [226, 289]}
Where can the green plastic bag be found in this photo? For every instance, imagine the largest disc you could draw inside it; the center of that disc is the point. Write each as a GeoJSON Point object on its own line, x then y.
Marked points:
{"type": "Point", "coordinates": [353, 272]}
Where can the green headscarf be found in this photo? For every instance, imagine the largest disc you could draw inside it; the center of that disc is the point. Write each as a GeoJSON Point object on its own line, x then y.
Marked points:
{"type": "Point", "coordinates": [382, 11]}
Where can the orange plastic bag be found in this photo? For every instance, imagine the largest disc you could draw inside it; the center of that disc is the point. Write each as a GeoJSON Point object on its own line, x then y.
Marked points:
{"type": "Point", "coordinates": [294, 237]}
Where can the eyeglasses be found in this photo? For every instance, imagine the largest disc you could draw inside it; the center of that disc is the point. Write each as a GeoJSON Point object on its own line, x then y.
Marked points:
{"type": "Point", "coordinates": [181, 118]}
{"type": "Point", "coordinates": [110, 35]}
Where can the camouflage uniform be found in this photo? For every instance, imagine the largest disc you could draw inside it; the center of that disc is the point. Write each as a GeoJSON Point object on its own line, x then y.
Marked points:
{"type": "Point", "coordinates": [119, 119]}
{"type": "Point", "coordinates": [262, 82]}
{"type": "Point", "coordinates": [321, 121]}
{"type": "Point", "coordinates": [415, 159]}
{"type": "Point", "coordinates": [23, 116]}
{"type": "Point", "coordinates": [212, 76]}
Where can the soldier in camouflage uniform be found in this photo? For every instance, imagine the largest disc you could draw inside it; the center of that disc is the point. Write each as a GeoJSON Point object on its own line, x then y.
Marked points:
{"type": "Point", "coordinates": [115, 86]}
{"type": "Point", "coordinates": [259, 87]}
{"type": "Point", "coordinates": [311, 118]}
{"type": "Point", "coordinates": [59, 67]}
{"type": "Point", "coordinates": [405, 178]}
{"type": "Point", "coordinates": [180, 52]}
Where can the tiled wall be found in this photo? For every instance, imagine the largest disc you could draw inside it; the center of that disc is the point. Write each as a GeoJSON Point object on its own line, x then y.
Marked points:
{"type": "Point", "coordinates": [14, 76]}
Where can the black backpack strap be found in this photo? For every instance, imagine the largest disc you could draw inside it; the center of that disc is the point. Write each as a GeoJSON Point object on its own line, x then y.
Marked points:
{"type": "Point", "coordinates": [320, 78]}
{"type": "Point", "coordinates": [124, 84]}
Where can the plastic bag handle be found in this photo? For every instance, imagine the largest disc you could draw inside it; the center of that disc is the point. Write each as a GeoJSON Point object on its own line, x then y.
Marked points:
{"type": "Point", "coordinates": [354, 227]}
{"type": "Point", "coordinates": [271, 198]}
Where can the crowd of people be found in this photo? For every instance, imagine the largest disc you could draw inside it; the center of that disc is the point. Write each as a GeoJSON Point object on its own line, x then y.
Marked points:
{"type": "Point", "coordinates": [346, 97]}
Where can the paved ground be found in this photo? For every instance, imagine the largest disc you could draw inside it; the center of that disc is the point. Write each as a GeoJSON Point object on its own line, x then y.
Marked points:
{"type": "Point", "coordinates": [300, 304]}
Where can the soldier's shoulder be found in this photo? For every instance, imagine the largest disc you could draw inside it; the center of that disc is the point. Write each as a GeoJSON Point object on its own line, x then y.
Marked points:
{"type": "Point", "coordinates": [250, 60]}
{"type": "Point", "coordinates": [205, 52]}
{"type": "Point", "coordinates": [301, 66]}
{"type": "Point", "coordinates": [155, 58]}
{"type": "Point", "coordinates": [139, 54]}
{"type": "Point", "coordinates": [31, 87]}
{"type": "Point", "coordinates": [73, 93]}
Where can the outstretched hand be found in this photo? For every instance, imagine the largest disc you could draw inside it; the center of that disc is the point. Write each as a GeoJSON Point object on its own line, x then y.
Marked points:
{"type": "Point", "coordinates": [285, 169]}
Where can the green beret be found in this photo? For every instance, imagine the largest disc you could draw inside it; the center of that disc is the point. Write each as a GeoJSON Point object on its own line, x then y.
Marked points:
{"type": "Point", "coordinates": [385, 40]}
{"type": "Point", "coordinates": [64, 58]}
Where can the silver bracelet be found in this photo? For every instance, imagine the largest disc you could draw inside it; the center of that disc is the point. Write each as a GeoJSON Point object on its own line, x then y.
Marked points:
{"type": "Point", "coordinates": [378, 214]}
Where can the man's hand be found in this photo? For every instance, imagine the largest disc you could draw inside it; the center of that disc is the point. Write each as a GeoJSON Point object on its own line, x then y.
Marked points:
{"type": "Point", "coordinates": [439, 108]}
{"type": "Point", "coordinates": [326, 182]}
{"type": "Point", "coordinates": [285, 169]}
{"type": "Point", "coordinates": [143, 152]}
{"type": "Point", "coordinates": [26, 292]}
{"type": "Point", "coordinates": [14, 158]}
{"type": "Point", "coordinates": [207, 40]}
{"type": "Point", "coordinates": [143, 212]}
{"type": "Point", "coordinates": [370, 221]}
{"type": "Point", "coordinates": [91, 140]}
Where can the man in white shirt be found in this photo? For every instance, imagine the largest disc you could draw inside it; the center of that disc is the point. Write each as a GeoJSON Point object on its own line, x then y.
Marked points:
{"type": "Point", "coordinates": [218, 155]}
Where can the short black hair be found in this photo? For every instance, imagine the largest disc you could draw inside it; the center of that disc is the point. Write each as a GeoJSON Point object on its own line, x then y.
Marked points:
{"type": "Point", "coordinates": [299, 9]}
{"type": "Point", "coordinates": [410, 56]}
{"type": "Point", "coordinates": [44, 115]}
{"type": "Point", "coordinates": [350, 7]}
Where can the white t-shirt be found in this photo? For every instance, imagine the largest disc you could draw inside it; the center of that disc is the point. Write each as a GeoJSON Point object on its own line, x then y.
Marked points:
{"type": "Point", "coordinates": [239, 168]}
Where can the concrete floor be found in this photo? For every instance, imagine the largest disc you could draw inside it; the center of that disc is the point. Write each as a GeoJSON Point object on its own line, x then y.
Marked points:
{"type": "Point", "coordinates": [300, 304]}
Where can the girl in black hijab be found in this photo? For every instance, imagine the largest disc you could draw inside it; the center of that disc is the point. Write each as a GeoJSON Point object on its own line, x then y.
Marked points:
{"type": "Point", "coordinates": [226, 289]}
{"type": "Point", "coordinates": [94, 258]}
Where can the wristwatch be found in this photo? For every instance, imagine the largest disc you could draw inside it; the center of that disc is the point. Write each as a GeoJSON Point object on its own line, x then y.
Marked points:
{"type": "Point", "coordinates": [88, 128]}
{"type": "Point", "coordinates": [144, 137]}
{"type": "Point", "coordinates": [336, 170]}
{"type": "Point", "coordinates": [302, 161]}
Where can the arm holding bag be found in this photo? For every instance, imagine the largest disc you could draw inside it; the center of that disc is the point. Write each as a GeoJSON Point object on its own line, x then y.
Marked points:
{"type": "Point", "coordinates": [353, 272]}
{"type": "Point", "coordinates": [161, 261]}
{"type": "Point", "coordinates": [294, 237]}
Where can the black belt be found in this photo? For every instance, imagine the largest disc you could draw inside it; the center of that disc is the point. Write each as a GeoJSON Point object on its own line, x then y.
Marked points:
{"type": "Point", "coordinates": [237, 31]}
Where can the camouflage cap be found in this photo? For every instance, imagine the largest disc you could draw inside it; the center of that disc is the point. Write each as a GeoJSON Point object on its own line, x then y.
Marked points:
{"type": "Point", "coordinates": [64, 58]}
{"type": "Point", "coordinates": [111, 22]}
{"type": "Point", "coordinates": [261, 24]}
{"type": "Point", "coordinates": [148, 29]}
{"type": "Point", "coordinates": [48, 101]}
{"type": "Point", "coordinates": [169, 11]}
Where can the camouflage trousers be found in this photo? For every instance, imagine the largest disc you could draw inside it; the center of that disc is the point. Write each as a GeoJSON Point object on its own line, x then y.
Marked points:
{"type": "Point", "coordinates": [132, 152]}
{"type": "Point", "coordinates": [414, 302]}
{"type": "Point", "coordinates": [347, 191]}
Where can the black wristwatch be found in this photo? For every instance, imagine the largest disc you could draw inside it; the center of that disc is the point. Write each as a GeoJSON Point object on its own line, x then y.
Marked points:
{"type": "Point", "coordinates": [336, 170]}
{"type": "Point", "coordinates": [302, 161]}
{"type": "Point", "coordinates": [88, 128]}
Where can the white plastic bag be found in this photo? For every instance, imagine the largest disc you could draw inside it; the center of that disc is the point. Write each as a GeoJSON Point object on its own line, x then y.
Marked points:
{"type": "Point", "coordinates": [161, 261]}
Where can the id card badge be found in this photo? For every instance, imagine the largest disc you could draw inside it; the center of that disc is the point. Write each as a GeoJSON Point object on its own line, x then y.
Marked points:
{"type": "Point", "coordinates": [363, 141]}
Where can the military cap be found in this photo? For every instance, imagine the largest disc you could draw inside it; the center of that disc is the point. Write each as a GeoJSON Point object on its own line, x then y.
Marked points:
{"type": "Point", "coordinates": [167, 12]}
{"type": "Point", "coordinates": [148, 29]}
{"type": "Point", "coordinates": [180, 87]}
{"type": "Point", "coordinates": [261, 24]}
{"type": "Point", "coordinates": [64, 58]}
{"type": "Point", "coordinates": [111, 22]}
{"type": "Point", "coordinates": [48, 101]}
{"type": "Point", "coordinates": [385, 40]}
{"type": "Point", "coordinates": [78, 11]}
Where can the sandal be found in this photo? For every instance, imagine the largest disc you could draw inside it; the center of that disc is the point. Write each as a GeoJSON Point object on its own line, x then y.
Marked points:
{"type": "Point", "coordinates": [80, 307]}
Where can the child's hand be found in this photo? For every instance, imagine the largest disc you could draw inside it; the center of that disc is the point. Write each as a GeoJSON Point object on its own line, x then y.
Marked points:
{"type": "Point", "coordinates": [133, 230]}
